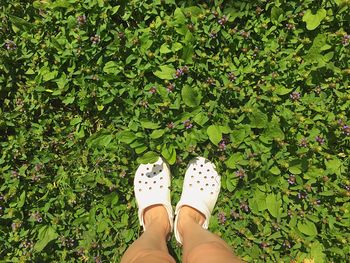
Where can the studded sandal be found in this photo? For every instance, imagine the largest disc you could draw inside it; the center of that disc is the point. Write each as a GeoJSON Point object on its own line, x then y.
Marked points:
{"type": "Point", "coordinates": [200, 190]}
{"type": "Point", "coordinates": [151, 187]}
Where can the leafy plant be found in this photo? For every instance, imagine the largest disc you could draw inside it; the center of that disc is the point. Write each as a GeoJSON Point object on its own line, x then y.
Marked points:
{"type": "Point", "coordinates": [90, 89]}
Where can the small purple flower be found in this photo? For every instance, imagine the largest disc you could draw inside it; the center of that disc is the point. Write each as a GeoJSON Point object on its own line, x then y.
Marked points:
{"type": "Point", "coordinates": [347, 187]}
{"type": "Point", "coordinates": [319, 139]}
{"type": "Point", "coordinates": [170, 87]}
{"type": "Point", "coordinates": [240, 173]}
{"type": "Point", "coordinates": [316, 202]}
{"type": "Point", "coordinates": [37, 216]}
{"type": "Point", "coordinates": [345, 40]}
{"type": "Point", "coordinates": [187, 124]}
{"type": "Point", "coordinates": [213, 34]}
{"type": "Point", "coordinates": [15, 226]}
{"type": "Point", "coordinates": [341, 122]}
{"type": "Point", "coordinates": [302, 195]}
{"type": "Point", "coordinates": [244, 34]}
{"type": "Point", "coordinates": [276, 226]}
{"type": "Point", "coordinates": [235, 215]}
{"type": "Point", "coordinates": [231, 76]}
{"type": "Point", "coordinates": [291, 180]}
{"type": "Point", "coordinates": [95, 39]}
{"type": "Point", "coordinates": [295, 96]}
{"type": "Point", "coordinates": [15, 174]}
{"type": "Point", "coordinates": [244, 206]}
{"type": "Point", "coordinates": [222, 145]}
{"type": "Point", "coordinates": [170, 125]}
{"type": "Point", "coordinates": [144, 104]}
{"type": "Point", "coordinates": [152, 90]}
{"type": "Point", "coordinates": [97, 259]}
{"type": "Point", "coordinates": [81, 20]}
{"type": "Point", "coordinates": [264, 245]}
{"type": "Point", "coordinates": [222, 21]}
{"type": "Point", "coordinates": [318, 90]}
{"type": "Point", "coordinates": [10, 45]}
{"type": "Point", "coordinates": [346, 130]}
{"type": "Point", "coordinates": [122, 174]}
{"type": "Point", "coordinates": [287, 244]}
{"type": "Point", "coordinates": [185, 69]}
{"type": "Point", "coordinates": [222, 218]}
{"type": "Point", "coordinates": [303, 143]}
{"type": "Point", "coordinates": [178, 73]}
{"type": "Point", "coordinates": [211, 81]}
{"type": "Point", "coordinates": [121, 35]}
{"type": "Point", "coordinates": [290, 26]}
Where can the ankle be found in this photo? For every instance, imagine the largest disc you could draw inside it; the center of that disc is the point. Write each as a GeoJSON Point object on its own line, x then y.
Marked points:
{"type": "Point", "coordinates": [187, 217]}
{"type": "Point", "coordinates": [156, 216]}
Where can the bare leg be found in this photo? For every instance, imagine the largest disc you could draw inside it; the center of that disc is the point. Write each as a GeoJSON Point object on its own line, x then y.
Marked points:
{"type": "Point", "coordinates": [151, 245]}
{"type": "Point", "coordinates": [200, 245]}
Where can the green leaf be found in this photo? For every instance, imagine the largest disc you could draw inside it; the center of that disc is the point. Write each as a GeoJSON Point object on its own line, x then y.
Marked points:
{"type": "Point", "coordinates": [126, 136]}
{"type": "Point", "coordinates": [258, 119]}
{"type": "Point", "coordinates": [99, 139]}
{"type": "Point", "coordinates": [176, 47]}
{"type": "Point", "coordinates": [68, 100]}
{"type": "Point", "coordinates": [201, 118]}
{"type": "Point", "coordinates": [165, 72]}
{"type": "Point", "coordinates": [294, 170]}
{"type": "Point", "coordinates": [231, 184]}
{"type": "Point", "coordinates": [45, 235]}
{"type": "Point", "coordinates": [238, 135]}
{"type": "Point", "coordinates": [275, 170]}
{"type": "Point", "coordinates": [307, 228]}
{"type": "Point", "coordinates": [273, 130]}
{"type": "Point", "coordinates": [20, 22]}
{"type": "Point", "coordinates": [274, 205]}
{"type": "Point", "coordinates": [169, 153]}
{"type": "Point", "coordinates": [314, 20]}
{"type": "Point", "coordinates": [101, 226]}
{"type": "Point", "coordinates": [191, 96]}
{"type": "Point", "coordinates": [148, 157]}
{"type": "Point", "coordinates": [140, 149]}
{"type": "Point", "coordinates": [128, 234]}
{"type": "Point", "coordinates": [214, 133]}
{"type": "Point", "coordinates": [149, 125]}
{"type": "Point", "coordinates": [317, 252]}
{"type": "Point", "coordinates": [146, 42]}
{"type": "Point", "coordinates": [280, 90]}
{"type": "Point", "coordinates": [50, 75]}
{"type": "Point", "coordinates": [334, 166]}
{"type": "Point", "coordinates": [187, 54]}
{"type": "Point", "coordinates": [22, 200]}
{"type": "Point", "coordinates": [157, 134]}
{"type": "Point", "coordinates": [275, 13]}
{"type": "Point", "coordinates": [234, 160]}
{"type": "Point", "coordinates": [164, 49]}
{"type": "Point", "coordinates": [111, 67]}
{"type": "Point", "coordinates": [179, 17]}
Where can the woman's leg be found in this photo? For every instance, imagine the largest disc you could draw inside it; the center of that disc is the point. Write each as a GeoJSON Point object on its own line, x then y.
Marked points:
{"type": "Point", "coordinates": [151, 246]}
{"type": "Point", "coordinates": [200, 245]}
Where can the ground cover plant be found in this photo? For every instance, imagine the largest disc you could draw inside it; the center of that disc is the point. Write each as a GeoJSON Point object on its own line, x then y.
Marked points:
{"type": "Point", "coordinates": [91, 88]}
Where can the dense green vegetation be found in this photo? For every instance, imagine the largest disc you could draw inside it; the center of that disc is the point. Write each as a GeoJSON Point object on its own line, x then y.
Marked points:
{"type": "Point", "coordinates": [91, 88]}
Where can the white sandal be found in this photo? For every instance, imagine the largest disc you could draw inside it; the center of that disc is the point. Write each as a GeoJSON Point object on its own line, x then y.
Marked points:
{"type": "Point", "coordinates": [151, 187]}
{"type": "Point", "coordinates": [200, 190]}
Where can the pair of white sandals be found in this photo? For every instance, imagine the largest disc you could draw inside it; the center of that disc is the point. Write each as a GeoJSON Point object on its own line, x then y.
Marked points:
{"type": "Point", "coordinates": [200, 190]}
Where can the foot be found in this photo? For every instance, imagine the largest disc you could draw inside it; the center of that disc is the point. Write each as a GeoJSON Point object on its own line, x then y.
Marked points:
{"type": "Point", "coordinates": [156, 215]}
{"type": "Point", "coordinates": [187, 216]}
